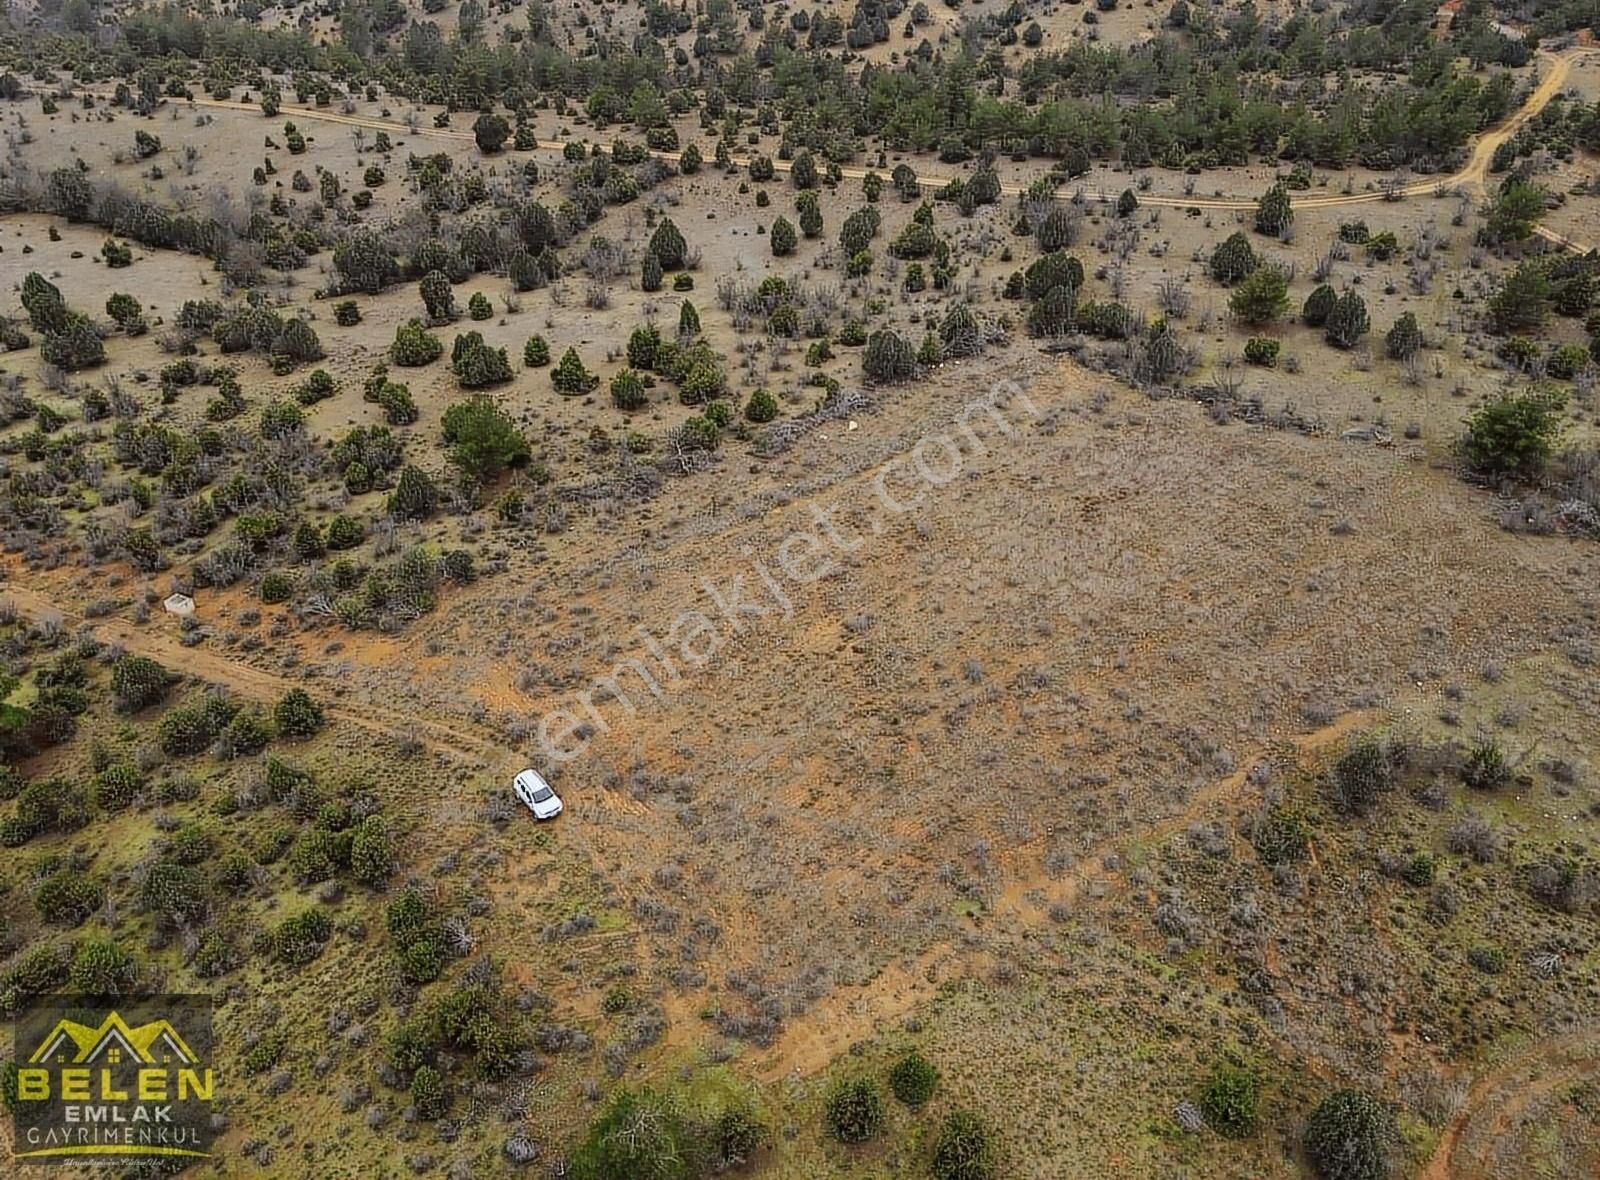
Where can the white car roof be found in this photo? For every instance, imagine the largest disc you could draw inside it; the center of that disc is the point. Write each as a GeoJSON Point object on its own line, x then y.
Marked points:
{"type": "Point", "coordinates": [532, 779]}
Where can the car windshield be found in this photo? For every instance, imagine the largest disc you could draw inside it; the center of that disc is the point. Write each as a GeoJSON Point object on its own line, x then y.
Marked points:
{"type": "Point", "coordinates": [543, 795]}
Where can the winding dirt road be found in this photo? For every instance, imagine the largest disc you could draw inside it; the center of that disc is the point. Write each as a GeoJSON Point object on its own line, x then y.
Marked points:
{"type": "Point", "coordinates": [1474, 176]}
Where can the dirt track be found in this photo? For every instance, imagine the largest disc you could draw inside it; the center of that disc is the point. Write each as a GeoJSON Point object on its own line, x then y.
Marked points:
{"type": "Point", "coordinates": [1499, 1095]}
{"type": "Point", "coordinates": [248, 681]}
{"type": "Point", "coordinates": [1473, 176]}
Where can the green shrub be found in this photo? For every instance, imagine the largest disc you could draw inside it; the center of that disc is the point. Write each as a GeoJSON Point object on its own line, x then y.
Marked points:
{"type": "Point", "coordinates": [319, 386]}
{"type": "Point", "coordinates": [667, 245]}
{"type": "Point", "coordinates": [185, 731]}
{"type": "Point", "coordinates": [640, 1135]}
{"type": "Point", "coordinates": [35, 972]}
{"type": "Point", "coordinates": [570, 378]}
{"type": "Point", "coordinates": [104, 969]}
{"type": "Point", "coordinates": [300, 939]}
{"type": "Point", "coordinates": [1280, 836]}
{"type": "Point", "coordinates": [116, 786]}
{"type": "Point", "coordinates": [483, 439]}
{"type": "Point", "coordinates": [189, 845]}
{"type": "Point", "coordinates": [1233, 259]}
{"type": "Point", "coordinates": [1566, 361]}
{"type": "Point", "coordinates": [627, 391]}
{"type": "Point", "coordinates": [477, 364]}
{"type": "Point", "coordinates": [67, 898]}
{"type": "Point", "coordinates": [1515, 434]}
{"type": "Point", "coordinates": [761, 407]}
{"type": "Point", "coordinates": [1260, 350]}
{"type": "Point", "coordinates": [1261, 297]}
{"type": "Point", "coordinates": [414, 496]}
{"type": "Point", "coordinates": [266, 1052]}
{"type": "Point", "coordinates": [912, 1079]}
{"type": "Point", "coordinates": [782, 237]}
{"type": "Point", "coordinates": [297, 715]}
{"type": "Point", "coordinates": [275, 586]}
{"type": "Point", "coordinates": [1419, 870]}
{"type": "Point", "coordinates": [372, 857]}
{"type": "Point", "coordinates": [319, 855]}
{"type": "Point", "coordinates": [854, 1111]}
{"type": "Point", "coordinates": [888, 358]}
{"type": "Point", "coordinates": [1361, 776]}
{"type": "Point", "coordinates": [964, 1149]}
{"type": "Point", "coordinates": [1229, 1102]}
{"type": "Point", "coordinates": [536, 352]}
{"type": "Point", "coordinates": [1274, 214]}
{"type": "Point", "coordinates": [138, 682]}
{"type": "Point", "coordinates": [414, 345]}
{"type": "Point", "coordinates": [236, 874]}
{"type": "Point", "coordinates": [1317, 306]}
{"type": "Point", "coordinates": [1486, 768]}
{"type": "Point", "coordinates": [1491, 960]}
{"type": "Point", "coordinates": [345, 532]}
{"type": "Point", "coordinates": [47, 805]}
{"type": "Point", "coordinates": [175, 894]}
{"type": "Point", "coordinates": [1348, 1137]}
{"type": "Point", "coordinates": [735, 1136]}
{"type": "Point", "coordinates": [429, 1094]}
{"type": "Point", "coordinates": [1404, 339]}
{"type": "Point", "coordinates": [1347, 321]}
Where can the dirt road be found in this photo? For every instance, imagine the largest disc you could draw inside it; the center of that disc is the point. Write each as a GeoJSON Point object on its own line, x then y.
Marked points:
{"type": "Point", "coordinates": [1500, 1095]}
{"type": "Point", "coordinates": [1473, 176]}
{"type": "Point", "coordinates": [163, 644]}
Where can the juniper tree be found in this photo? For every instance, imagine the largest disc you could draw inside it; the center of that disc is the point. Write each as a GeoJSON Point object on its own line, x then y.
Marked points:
{"type": "Point", "coordinates": [782, 238]}
{"type": "Point", "coordinates": [1274, 214]}
{"type": "Point", "coordinates": [888, 358]}
{"type": "Point", "coordinates": [1233, 259]}
{"type": "Point", "coordinates": [1404, 339]}
{"type": "Point", "coordinates": [1347, 321]}
{"type": "Point", "coordinates": [1317, 306]}
{"type": "Point", "coordinates": [438, 296]}
{"type": "Point", "coordinates": [668, 246]}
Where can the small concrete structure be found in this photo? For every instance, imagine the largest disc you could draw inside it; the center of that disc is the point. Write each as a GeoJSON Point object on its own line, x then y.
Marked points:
{"type": "Point", "coordinates": [179, 604]}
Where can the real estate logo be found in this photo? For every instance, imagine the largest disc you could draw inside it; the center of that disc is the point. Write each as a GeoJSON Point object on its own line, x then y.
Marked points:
{"type": "Point", "coordinates": [113, 1081]}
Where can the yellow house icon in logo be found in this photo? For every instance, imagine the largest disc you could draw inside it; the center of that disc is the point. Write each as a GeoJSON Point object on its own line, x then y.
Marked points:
{"type": "Point", "coordinates": [114, 1042]}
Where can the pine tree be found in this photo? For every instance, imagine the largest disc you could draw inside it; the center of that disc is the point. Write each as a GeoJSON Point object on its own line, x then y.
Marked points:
{"type": "Point", "coordinates": [1262, 297]}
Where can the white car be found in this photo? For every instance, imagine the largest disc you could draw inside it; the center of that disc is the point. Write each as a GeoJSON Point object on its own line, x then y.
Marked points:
{"type": "Point", "coordinates": [536, 793]}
